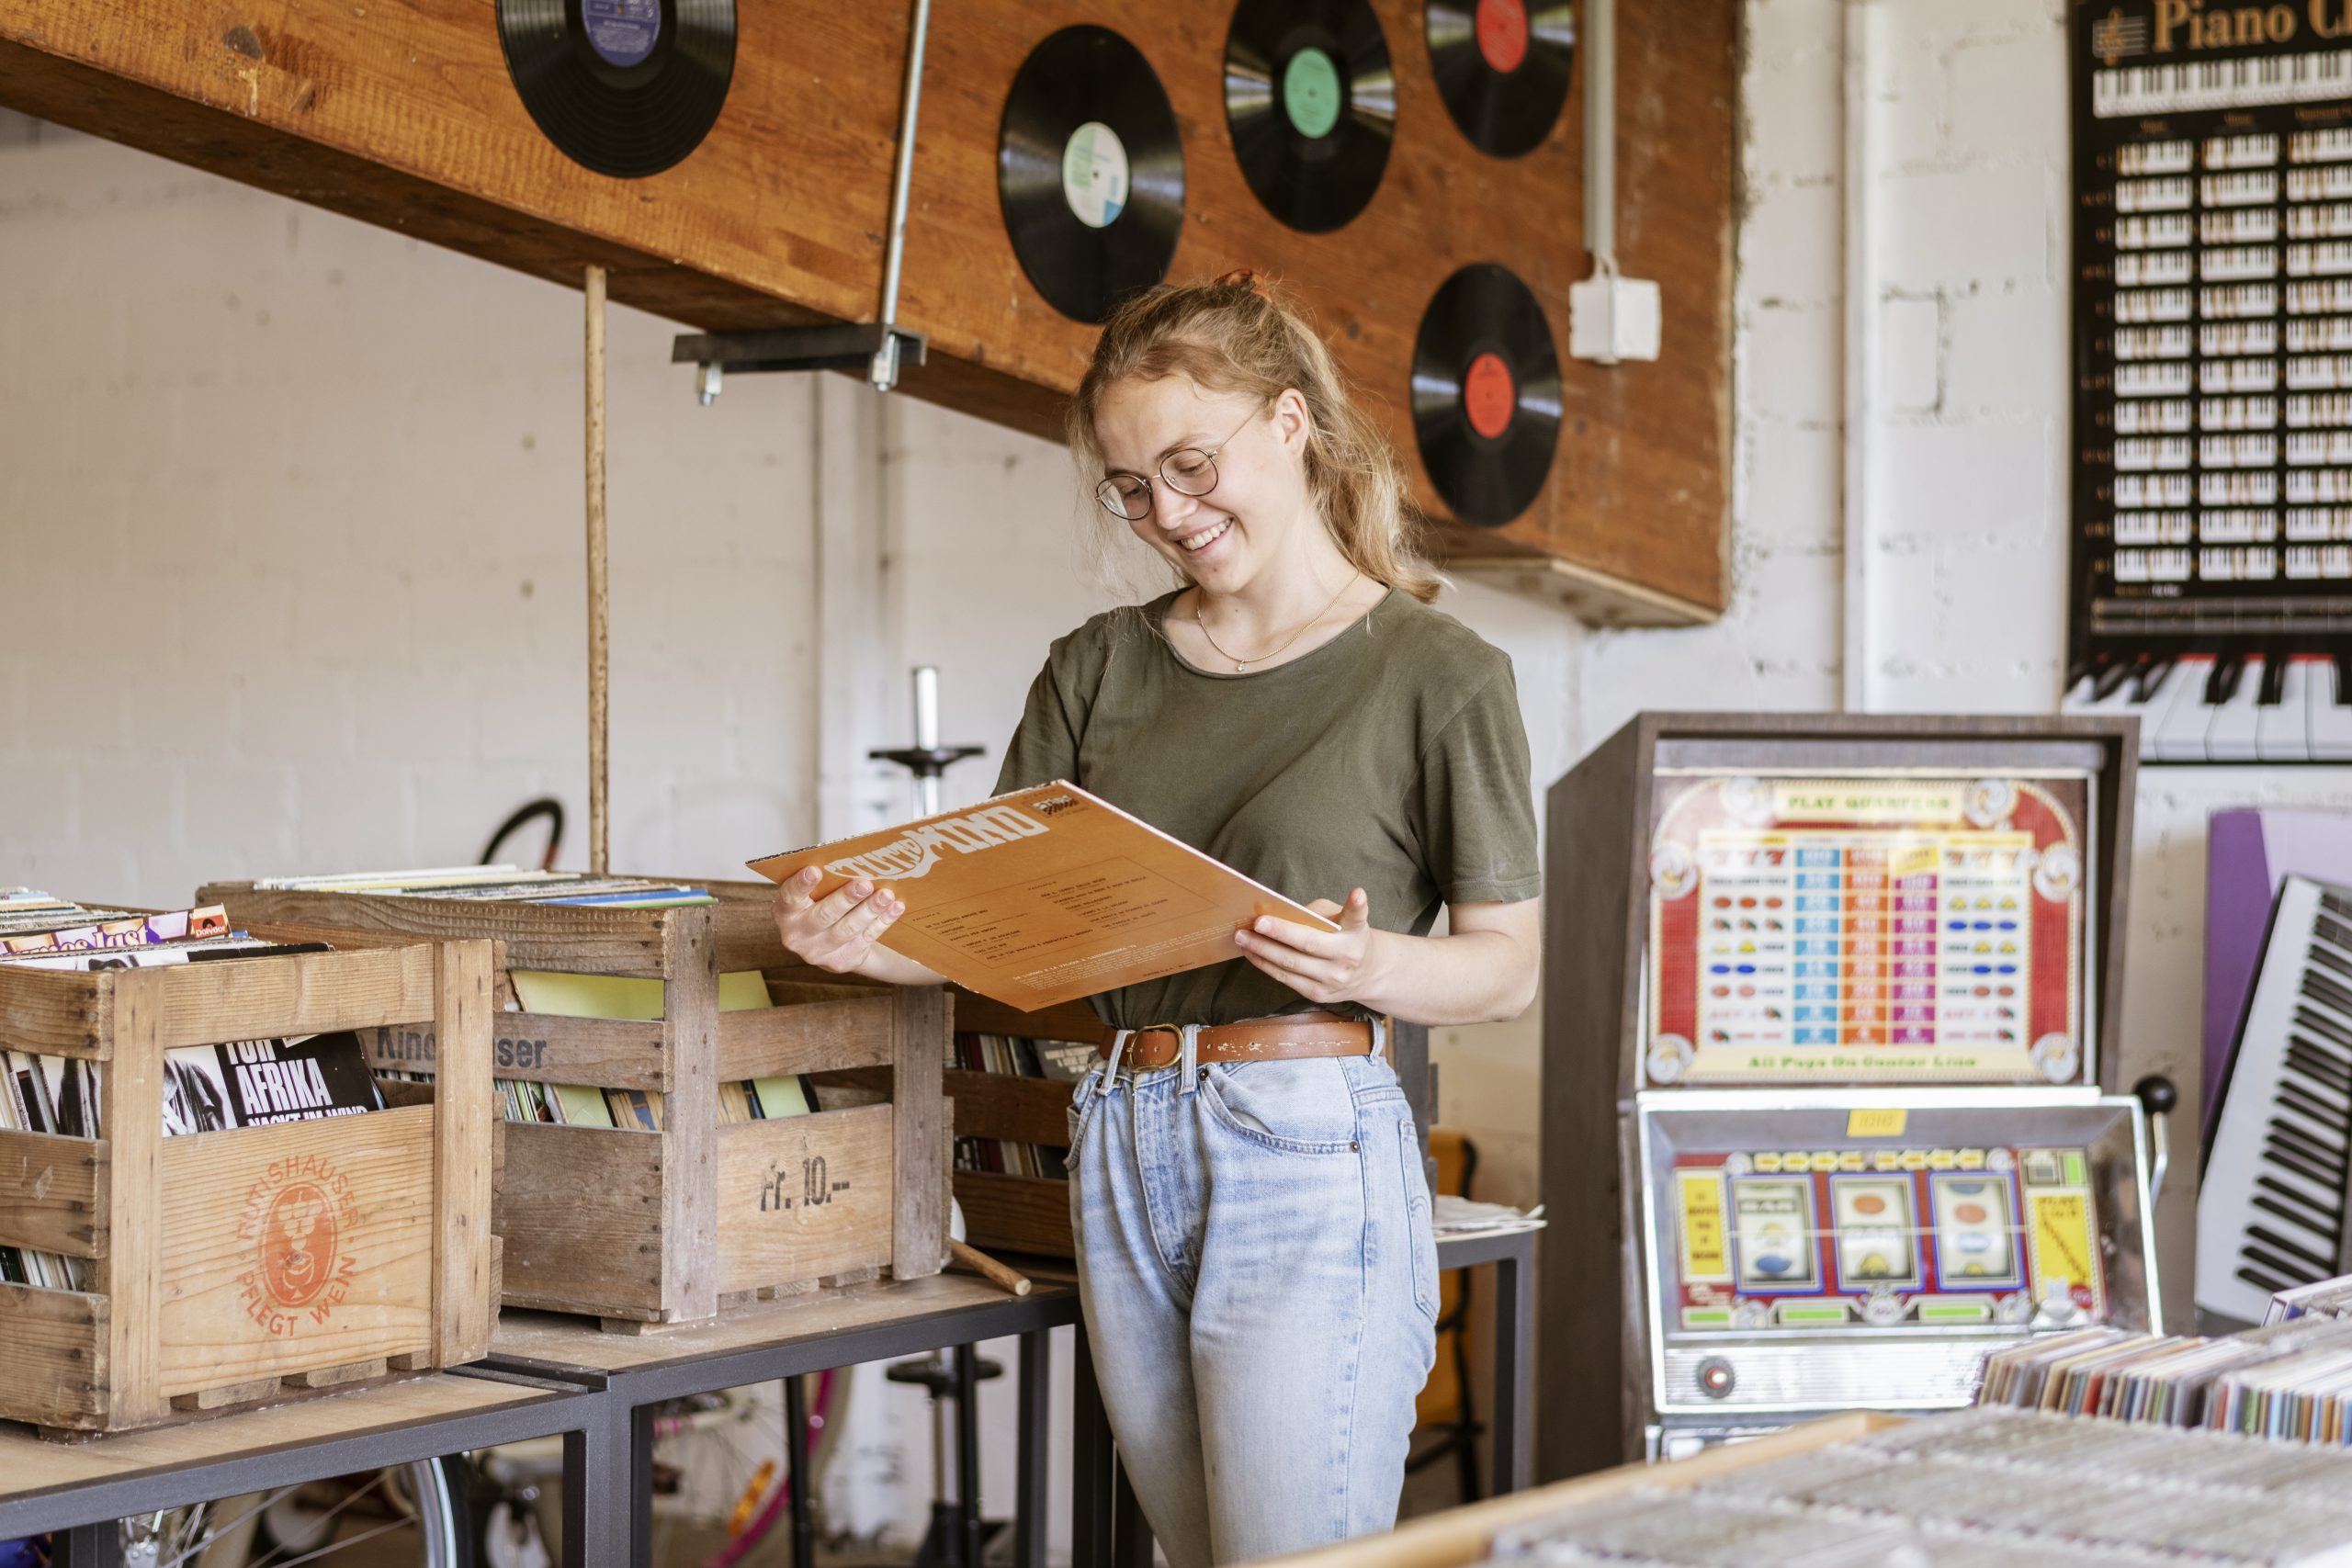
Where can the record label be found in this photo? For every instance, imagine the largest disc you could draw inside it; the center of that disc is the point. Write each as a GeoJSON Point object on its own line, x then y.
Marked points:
{"type": "Point", "coordinates": [1094, 173]}
{"type": "Point", "coordinates": [1089, 172]}
{"type": "Point", "coordinates": [1310, 99]}
{"type": "Point", "coordinates": [1311, 93]}
{"type": "Point", "coordinates": [1502, 33]}
{"type": "Point", "coordinates": [621, 31]}
{"type": "Point", "coordinates": [1487, 395]}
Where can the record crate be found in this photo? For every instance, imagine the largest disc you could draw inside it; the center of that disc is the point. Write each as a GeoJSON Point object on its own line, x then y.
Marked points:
{"type": "Point", "coordinates": [640, 1228]}
{"type": "Point", "coordinates": [1002, 1209]}
{"type": "Point", "coordinates": [251, 1263]}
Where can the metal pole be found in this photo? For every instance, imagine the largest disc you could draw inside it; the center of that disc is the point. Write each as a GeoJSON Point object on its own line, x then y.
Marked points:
{"type": "Point", "coordinates": [883, 372]}
{"type": "Point", "coordinates": [599, 598]}
{"type": "Point", "coordinates": [1601, 132]}
{"type": "Point", "coordinates": [797, 1472]}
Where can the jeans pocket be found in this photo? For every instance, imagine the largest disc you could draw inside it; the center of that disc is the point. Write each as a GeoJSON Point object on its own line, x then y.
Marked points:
{"type": "Point", "coordinates": [1299, 1107]}
{"type": "Point", "coordinates": [1421, 1228]}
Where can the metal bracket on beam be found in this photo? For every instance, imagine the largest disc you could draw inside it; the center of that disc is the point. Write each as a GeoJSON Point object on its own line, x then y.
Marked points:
{"type": "Point", "coordinates": [881, 348]}
{"type": "Point", "coordinates": [847, 346]}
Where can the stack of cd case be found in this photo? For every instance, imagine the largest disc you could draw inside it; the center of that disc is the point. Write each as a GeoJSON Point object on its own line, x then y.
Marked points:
{"type": "Point", "coordinates": [2289, 1380]}
{"type": "Point", "coordinates": [1991, 1487]}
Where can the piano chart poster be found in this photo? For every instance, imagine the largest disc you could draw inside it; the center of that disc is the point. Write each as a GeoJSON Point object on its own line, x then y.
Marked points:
{"type": "Point", "coordinates": [1860, 930]}
{"type": "Point", "coordinates": [2212, 321]}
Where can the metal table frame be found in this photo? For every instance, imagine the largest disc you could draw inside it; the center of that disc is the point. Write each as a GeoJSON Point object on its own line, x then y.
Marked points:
{"type": "Point", "coordinates": [83, 1515]}
{"type": "Point", "coordinates": [605, 1419]}
{"type": "Point", "coordinates": [607, 1462]}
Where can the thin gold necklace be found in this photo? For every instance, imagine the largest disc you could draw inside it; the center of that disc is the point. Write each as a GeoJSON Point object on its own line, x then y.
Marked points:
{"type": "Point", "coordinates": [1241, 666]}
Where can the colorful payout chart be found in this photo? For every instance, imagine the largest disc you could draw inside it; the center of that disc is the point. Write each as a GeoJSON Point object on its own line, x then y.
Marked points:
{"type": "Point", "coordinates": [1866, 930]}
{"type": "Point", "coordinates": [1923, 1238]}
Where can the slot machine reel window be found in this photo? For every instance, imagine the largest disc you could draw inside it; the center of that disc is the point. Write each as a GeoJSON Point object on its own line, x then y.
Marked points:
{"type": "Point", "coordinates": [1868, 927]}
{"type": "Point", "coordinates": [1773, 1223]}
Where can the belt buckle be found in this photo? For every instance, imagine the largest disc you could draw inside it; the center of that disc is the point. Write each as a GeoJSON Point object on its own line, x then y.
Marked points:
{"type": "Point", "coordinates": [1176, 1030]}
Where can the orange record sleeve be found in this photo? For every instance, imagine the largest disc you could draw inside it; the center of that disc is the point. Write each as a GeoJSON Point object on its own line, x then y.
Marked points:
{"type": "Point", "coordinates": [1046, 895]}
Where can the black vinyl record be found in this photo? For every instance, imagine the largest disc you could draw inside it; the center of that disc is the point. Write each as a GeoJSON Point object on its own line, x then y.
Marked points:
{"type": "Point", "coordinates": [626, 87]}
{"type": "Point", "coordinates": [1502, 68]}
{"type": "Point", "coordinates": [1486, 394]}
{"type": "Point", "coordinates": [1090, 171]}
{"type": "Point", "coordinates": [1311, 98]}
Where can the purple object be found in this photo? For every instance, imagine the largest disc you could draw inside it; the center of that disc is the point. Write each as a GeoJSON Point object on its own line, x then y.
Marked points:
{"type": "Point", "coordinates": [2249, 852]}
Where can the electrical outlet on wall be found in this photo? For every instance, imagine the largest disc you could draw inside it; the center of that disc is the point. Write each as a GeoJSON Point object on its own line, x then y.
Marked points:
{"type": "Point", "coordinates": [1613, 317]}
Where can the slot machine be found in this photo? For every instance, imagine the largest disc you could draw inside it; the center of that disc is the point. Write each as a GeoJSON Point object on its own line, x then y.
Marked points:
{"type": "Point", "coordinates": [1832, 1100]}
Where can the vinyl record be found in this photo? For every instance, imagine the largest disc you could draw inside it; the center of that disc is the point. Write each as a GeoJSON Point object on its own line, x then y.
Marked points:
{"type": "Point", "coordinates": [1310, 97]}
{"type": "Point", "coordinates": [626, 87]}
{"type": "Point", "coordinates": [1502, 68]}
{"type": "Point", "coordinates": [1090, 171]}
{"type": "Point", "coordinates": [1486, 394]}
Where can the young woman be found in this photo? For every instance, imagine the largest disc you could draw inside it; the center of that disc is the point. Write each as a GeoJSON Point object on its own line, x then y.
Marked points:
{"type": "Point", "coordinates": [1256, 1264]}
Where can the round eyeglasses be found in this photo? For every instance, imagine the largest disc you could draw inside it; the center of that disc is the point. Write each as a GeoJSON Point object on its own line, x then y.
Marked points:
{"type": "Point", "coordinates": [1188, 470]}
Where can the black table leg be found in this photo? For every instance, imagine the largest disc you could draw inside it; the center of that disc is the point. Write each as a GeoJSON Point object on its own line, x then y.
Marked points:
{"type": "Point", "coordinates": [607, 1487]}
{"type": "Point", "coordinates": [796, 1475]}
{"type": "Point", "coordinates": [1514, 1434]}
{"type": "Point", "coordinates": [1092, 1464]}
{"type": "Point", "coordinates": [1029, 1483]}
{"type": "Point", "coordinates": [967, 1454]}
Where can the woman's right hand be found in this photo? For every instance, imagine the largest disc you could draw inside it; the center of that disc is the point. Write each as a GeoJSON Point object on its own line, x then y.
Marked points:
{"type": "Point", "coordinates": [837, 933]}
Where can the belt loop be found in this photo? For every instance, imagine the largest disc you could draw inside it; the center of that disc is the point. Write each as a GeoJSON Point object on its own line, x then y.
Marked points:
{"type": "Point", "coordinates": [1118, 1051]}
{"type": "Point", "coordinates": [1188, 1057]}
{"type": "Point", "coordinates": [1380, 1036]}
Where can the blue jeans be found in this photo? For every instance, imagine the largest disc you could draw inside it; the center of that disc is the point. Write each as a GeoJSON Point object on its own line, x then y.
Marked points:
{"type": "Point", "coordinates": [1259, 1278]}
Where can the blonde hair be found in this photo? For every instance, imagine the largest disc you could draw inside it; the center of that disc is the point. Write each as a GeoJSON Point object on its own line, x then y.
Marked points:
{"type": "Point", "coordinates": [1237, 334]}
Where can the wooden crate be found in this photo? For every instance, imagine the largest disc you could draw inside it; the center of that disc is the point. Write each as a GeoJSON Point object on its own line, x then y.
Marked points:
{"type": "Point", "coordinates": [1004, 1211]}
{"type": "Point", "coordinates": [198, 1301]}
{"type": "Point", "coordinates": [642, 1228]}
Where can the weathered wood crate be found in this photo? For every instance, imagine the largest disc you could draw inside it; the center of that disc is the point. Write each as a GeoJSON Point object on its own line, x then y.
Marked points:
{"type": "Point", "coordinates": [249, 1264]}
{"type": "Point", "coordinates": [640, 1228]}
{"type": "Point", "coordinates": [1003, 1210]}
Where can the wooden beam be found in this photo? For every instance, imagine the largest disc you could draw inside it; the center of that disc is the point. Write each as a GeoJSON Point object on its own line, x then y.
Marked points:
{"type": "Point", "coordinates": [404, 115]}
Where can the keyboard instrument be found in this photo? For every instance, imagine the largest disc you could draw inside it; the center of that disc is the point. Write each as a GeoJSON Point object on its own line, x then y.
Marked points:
{"type": "Point", "coordinates": [2226, 707]}
{"type": "Point", "coordinates": [2270, 1209]}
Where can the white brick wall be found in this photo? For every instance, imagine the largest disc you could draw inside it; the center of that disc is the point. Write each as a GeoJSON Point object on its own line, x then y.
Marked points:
{"type": "Point", "coordinates": [296, 504]}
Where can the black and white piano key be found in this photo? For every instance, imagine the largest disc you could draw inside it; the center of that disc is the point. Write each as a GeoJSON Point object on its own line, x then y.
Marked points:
{"type": "Point", "coordinates": [2227, 708]}
{"type": "Point", "coordinates": [2272, 1211]}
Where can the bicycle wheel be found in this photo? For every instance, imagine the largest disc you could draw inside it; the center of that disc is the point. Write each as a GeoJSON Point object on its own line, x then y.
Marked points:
{"type": "Point", "coordinates": [404, 1513]}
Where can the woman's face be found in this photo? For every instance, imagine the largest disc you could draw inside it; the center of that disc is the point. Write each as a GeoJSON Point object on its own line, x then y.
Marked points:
{"type": "Point", "coordinates": [1251, 515]}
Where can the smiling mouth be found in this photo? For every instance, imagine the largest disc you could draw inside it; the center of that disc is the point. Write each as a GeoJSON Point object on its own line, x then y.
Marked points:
{"type": "Point", "coordinates": [1192, 544]}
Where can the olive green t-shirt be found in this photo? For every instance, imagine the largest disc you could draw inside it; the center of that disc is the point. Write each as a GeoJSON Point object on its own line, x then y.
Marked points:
{"type": "Point", "coordinates": [1391, 758]}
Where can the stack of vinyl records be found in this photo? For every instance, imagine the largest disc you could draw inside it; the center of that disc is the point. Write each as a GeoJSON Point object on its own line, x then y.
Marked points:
{"type": "Point", "coordinates": [207, 1089]}
{"type": "Point", "coordinates": [1062, 1061]}
{"type": "Point", "coordinates": [1984, 1488]}
{"type": "Point", "coordinates": [581, 995]}
{"type": "Point", "coordinates": [500, 884]}
{"type": "Point", "coordinates": [2289, 1381]}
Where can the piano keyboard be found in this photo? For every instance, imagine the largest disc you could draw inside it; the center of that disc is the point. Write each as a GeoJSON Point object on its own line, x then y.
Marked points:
{"type": "Point", "coordinates": [2208, 708]}
{"type": "Point", "coordinates": [2133, 90]}
{"type": "Point", "coordinates": [2270, 1208]}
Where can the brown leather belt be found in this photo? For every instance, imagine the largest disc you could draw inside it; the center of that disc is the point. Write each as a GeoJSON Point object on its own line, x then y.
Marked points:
{"type": "Point", "coordinates": [1255, 1040]}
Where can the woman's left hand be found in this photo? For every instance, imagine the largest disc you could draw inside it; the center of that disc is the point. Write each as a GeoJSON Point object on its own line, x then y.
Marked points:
{"type": "Point", "coordinates": [1322, 967]}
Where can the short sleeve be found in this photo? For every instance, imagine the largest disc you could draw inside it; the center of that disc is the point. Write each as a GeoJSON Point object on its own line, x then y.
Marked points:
{"type": "Point", "coordinates": [1477, 807]}
{"type": "Point", "coordinates": [1044, 743]}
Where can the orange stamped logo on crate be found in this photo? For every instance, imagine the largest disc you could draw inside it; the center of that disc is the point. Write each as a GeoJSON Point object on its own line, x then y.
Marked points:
{"type": "Point", "coordinates": [298, 1216]}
